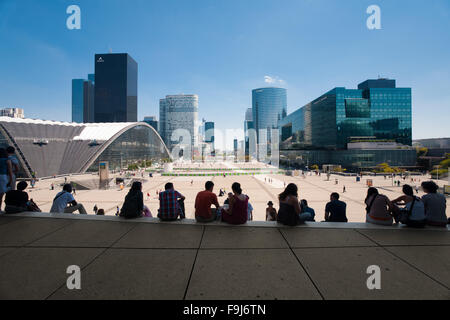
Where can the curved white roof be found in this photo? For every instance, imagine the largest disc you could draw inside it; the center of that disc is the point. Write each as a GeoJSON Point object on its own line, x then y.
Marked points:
{"type": "Point", "coordinates": [91, 131]}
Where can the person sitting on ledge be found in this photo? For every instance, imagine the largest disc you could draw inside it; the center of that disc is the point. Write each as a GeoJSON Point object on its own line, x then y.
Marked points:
{"type": "Point", "coordinates": [64, 198]}
{"type": "Point", "coordinates": [413, 214]}
{"type": "Point", "coordinates": [378, 208]}
{"type": "Point", "coordinates": [289, 213]}
{"type": "Point", "coordinates": [16, 201]}
{"type": "Point", "coordinates": [237, 210]}
{"type": "Point", "coordinates": [335, 210]}
{"type": "Point", "coordinates": [100, 212]}
{"type": "Point", "coordinates": [169, 204]}
{"type": "Point", "coordinates": [134, 202]}
{"type": "Point", "coordinates": [435, 205]}
{"type": "Point", "coordinates": [307, 213]}
{"type": "Point", "coordinates": [271, 212]}
{"type": "Point", "coordinates": [203, 202]}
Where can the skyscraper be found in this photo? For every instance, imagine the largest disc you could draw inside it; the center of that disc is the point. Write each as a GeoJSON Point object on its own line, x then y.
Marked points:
{"type": "Point", "coordinates": [116, 76]}
{"type": "Point", "coordinates": [83, 95]}
{"type": "Point", "coordinates": [179, 114]}
{"type": "Point", "coordinates": [209, 132]}
{"type": "Point", "coordinates": [269, 106]}
{"type": "Point", "coordinates": [248, 126]}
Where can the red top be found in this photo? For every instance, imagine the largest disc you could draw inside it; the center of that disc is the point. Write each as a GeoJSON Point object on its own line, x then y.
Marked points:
{"type": "Point", "coordinates": [203, 204]}
{"type": "Point", "coordinates": [239, 214]}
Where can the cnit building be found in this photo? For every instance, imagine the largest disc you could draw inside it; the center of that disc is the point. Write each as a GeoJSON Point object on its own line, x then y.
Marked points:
{"type": "Point", "coordinates": [356, 128]}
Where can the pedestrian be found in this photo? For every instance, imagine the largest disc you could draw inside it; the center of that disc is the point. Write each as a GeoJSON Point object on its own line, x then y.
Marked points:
{"type": "Point", "coordinates": [95, 209]}
{"type": "Point", "coordinates": [343, 190]}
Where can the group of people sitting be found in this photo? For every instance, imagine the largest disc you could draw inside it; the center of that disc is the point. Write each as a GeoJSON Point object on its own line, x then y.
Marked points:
{"type": "Point", "coordinates": [407, 209]}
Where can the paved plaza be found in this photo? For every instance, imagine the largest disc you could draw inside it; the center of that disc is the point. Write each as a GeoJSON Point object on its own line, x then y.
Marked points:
{"type": "Point", "coordinates": [315, 189]}
{"type": "Point", "coordinates": [146, 259]}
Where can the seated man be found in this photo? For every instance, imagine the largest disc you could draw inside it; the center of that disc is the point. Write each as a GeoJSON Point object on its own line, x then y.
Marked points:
{"type": "Point", "coordinates": [203, 202]}
{"type": "Point", "coordinates": [169, 204]}
{"type": "Point", "coordinates": [335, 210]}
{"type": "Point", "coordinates": [65, 198]}
{"type": "Point", "coordinates": [16, 201]}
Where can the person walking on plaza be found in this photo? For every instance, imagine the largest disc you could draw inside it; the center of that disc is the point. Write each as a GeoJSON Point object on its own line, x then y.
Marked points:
{"type": "Point", "coordinates": [95, 209]}
{"type": "Point", "coordinates": [6, 174]}
{"type": "Point", "coordinates": [117, 211]}
{"type": "Point", "coordinates": [335, 210]}
{"type": "Point", "coordinates": [271, 212]}
{"type": "Point", "coordinates": [14, 164]}
{"type": "Point", "coordinates": [65, 198]}
{"type": "Point", "coordinates": [238, 202]}
{"type": "Point", "coordinates": [289, 212]}
{"type": "Point", "coordinates": [413, 212]}
{"type": "Point", "coordinates": [378, 208]}
{"type": "Point", "coordinates": [344, 189]}
{"type": "Point", "coordinates": [435, 205]}
{"type": "Point", "coordinates": [133, 205]}
{"type": "Point", "coordinates": [170, 202]}
{"type": "Point", "coordinates": [203, 202]}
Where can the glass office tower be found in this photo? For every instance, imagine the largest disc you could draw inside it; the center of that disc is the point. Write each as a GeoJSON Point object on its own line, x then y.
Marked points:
{"type": "Point", "coordinates": [115, 88]}
{"type": "Point", "coordinates": [77, 100]}
{"type": "Point", "coordinates": [377, 115]}
{"type": "Point", "coordinates": [269, 105]}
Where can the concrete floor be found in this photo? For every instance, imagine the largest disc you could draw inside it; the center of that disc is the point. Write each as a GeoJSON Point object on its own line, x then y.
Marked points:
{"type": "Point", "coordinates": [145, 259]}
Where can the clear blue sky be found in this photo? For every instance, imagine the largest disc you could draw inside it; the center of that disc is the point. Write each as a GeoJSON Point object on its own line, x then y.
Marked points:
{"type": "Point", "coordinates": [222, 49]}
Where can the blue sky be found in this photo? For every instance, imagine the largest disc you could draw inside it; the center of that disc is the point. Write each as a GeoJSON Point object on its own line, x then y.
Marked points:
{"type": "Point", "coordinates": [222, 49]}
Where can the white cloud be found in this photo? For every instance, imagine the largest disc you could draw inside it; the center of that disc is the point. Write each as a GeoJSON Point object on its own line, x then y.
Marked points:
{"type": "Point", "coordinates": [274, 80]}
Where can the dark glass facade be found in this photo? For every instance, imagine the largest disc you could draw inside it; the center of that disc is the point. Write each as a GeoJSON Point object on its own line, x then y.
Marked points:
{"type": "Point", "coordinates": [136, 144]}
{"type": "Point", "coordinates": [115, 88]}
{"type": "Point", "coordinates": [376, 111]}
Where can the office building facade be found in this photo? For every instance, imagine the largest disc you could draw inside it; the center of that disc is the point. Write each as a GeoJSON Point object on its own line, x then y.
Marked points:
{"type": "Point", "coordinates": [83, 95]}
{"type": "Point", "coordinates": [12, 113]}
{"type": "Point", "coordinates": [352, 127]}
{"type": "Point", "coordinates": [178, 116]}
{"type": "Point", "coordinates": [152, 122]}
{"type": "Point", "coordinates": [116, 77]}
{"type": "Point", "coordinates": [269, 106]}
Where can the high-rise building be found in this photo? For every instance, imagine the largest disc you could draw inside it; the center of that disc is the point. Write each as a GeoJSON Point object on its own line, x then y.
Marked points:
{"type": "Point", "coordinates": [248, 126]}
{"type": "Point", "coordinates": [269, 106]}
{"type": "Point", "coordinates": [356, 128]}
{"type": "Point", "coordinates": [209, 132]}
{"type": "Point", "coordinates": [152, 122]}
{"type": "Point", "coordinates": [178, 114]}
{"type": "Point", "coordinates": [83, 95]}
{"type": "Point", "coordinates": [12, 113]}
{"type": "Point", "coordinates": [116, 76]}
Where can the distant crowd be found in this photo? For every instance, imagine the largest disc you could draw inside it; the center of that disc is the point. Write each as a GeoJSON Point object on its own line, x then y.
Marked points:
{"type": "Point", "coordinates": [407, 209]}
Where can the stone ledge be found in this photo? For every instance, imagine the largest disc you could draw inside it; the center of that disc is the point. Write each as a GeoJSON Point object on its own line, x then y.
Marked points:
{"type": "Point", "coordinates": [262, 224]}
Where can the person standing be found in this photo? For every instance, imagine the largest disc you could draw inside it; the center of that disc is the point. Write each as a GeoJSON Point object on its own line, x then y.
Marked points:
{"type": "Point", "coordinates": [95, 209]}
{"type": "Point", "coordinates": [6, 174]}
{"type": "Point", "coordinates": [15, 165]}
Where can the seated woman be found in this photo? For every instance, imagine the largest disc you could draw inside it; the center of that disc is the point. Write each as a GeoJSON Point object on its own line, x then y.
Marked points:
{"type": "Point", "coordinates": [134, 202]}
{"type": "Point", "coordinates": [271, 212]}
{"type": "Point", "coordinates": [413, 214]}
{"type": "Point", "coordinates": [378, 208]}
{"type": "Point", "coordinates": [17, 200]}
{"type": "Point", "coordinates": [237, 210]}
{"type": "Point", "coordinates": [435, 205]}
{"type": "Point", "coordinates": [289, 213]}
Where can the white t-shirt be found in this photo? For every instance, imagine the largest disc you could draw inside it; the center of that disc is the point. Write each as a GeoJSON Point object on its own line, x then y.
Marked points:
{"type": "Point", "coordinates": [62, 199]}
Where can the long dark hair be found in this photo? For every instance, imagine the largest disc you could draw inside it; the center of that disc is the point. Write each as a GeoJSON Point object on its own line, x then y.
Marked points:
{"type": "Point", "coordinates": [291, 190]}
{"type": "Point", "coordinates": [371, 191]}
{"type": "Point", "coordinates": [236, 187]}
{"type": "Point", "coordinates": [136, 187]}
